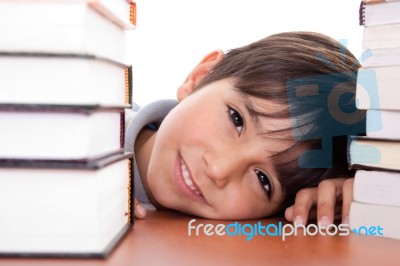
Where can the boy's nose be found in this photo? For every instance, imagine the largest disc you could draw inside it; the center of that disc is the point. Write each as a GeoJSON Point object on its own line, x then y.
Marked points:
{"type": "Point", "coordinates": [223, 167]}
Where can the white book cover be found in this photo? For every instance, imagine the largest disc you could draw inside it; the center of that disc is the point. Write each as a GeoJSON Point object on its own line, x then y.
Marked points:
{"type": "Point", "coordinates": [63, 79]}
{"type": "Point", "coordinates": [59, 27]}
{"type": "Point", "coordinates": [364, 216]}
{"type": "Point", "coordinates": [377, 187]}
{"type": "Point", "coordinates": [72, 212]}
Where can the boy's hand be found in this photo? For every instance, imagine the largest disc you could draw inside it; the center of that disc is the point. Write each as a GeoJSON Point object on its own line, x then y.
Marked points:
{"type": "Point", "coordinates": [140, 212]}
{"type": "Point", "coordinates": [323, 202]}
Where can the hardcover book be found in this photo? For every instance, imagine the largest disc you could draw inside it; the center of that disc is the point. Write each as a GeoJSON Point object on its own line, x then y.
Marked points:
{"type": "Point", "coordinates": [63, 79]}
{"type": "Point", "coordinates": [381, 57]}
{"type": "Point", "coordinates": [372, 215]}
{"type": "Point", "coordinates": [385, 94]}
{"type": "Point", "coordinates": [378, 12]}
{"type": "Point", "coordinates": [373, 153]}
{"type": "Point", "coordinates": [55, 132]}
{"type": "Point", "coordinates": [121, 12]}
{"type": "Point", "coordinates": [64, 209]}
{"type": "Point", "coordinates": [381, 36]}
{"type": "Point", "coordinates": [377, 187]}
{"type": "Point", "coordinates": [70, 26]}
{"type": "Point", "coordinates": [383, 124]}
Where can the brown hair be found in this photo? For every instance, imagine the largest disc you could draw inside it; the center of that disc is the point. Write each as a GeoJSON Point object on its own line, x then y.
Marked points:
{"type": "Point", "coordinates": [264, 69]}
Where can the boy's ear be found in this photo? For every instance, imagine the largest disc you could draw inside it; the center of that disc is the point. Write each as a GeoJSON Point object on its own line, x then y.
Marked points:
{"type": "Point", "coordinates": [199, 72]}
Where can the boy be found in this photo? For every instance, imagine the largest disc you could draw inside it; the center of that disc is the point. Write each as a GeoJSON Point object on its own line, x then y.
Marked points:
{"type": "Point", "coordinates": [237, 144]}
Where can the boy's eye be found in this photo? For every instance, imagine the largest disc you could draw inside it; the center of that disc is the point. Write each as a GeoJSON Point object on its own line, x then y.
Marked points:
{"type": "Point", "coordinates": [236, 119]}
{"type": "Point", "coordinates": [264, 182]}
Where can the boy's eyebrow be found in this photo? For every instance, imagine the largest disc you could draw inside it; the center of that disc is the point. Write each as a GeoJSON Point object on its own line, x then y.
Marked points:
{"type": "Point", "coordinates": [255, 115]}
{"type": "Point", "coordinates": [252, 112]}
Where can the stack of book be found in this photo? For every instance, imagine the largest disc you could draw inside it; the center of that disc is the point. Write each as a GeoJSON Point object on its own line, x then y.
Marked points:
{"type": "Point", "coordinates": [65, 181]}
{"type": "Point", "coordinates": [376, 192]}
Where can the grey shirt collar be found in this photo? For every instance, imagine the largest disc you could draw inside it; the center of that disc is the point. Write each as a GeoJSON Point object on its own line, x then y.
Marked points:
{"type": "Point", "coordinates": [154, 111]}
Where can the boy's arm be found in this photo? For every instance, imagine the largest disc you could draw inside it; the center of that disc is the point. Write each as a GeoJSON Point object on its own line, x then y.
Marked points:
{"type": "Point", "coordinates": [329, 200]}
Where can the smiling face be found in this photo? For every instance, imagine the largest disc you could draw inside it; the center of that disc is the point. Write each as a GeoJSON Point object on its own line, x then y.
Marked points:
{"type": "Point", "coordinates": [219, 153]}
{"type": "Point", "coordinates": [211, 158]}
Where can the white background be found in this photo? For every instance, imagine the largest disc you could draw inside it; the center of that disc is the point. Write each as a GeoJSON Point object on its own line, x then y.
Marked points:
{"type": "Point", "coordinates": [172, 36]}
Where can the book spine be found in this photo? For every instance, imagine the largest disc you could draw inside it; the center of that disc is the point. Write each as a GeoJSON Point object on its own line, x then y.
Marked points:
{"type": "Point", "coordinates": [132, 13]}
{"type": "Point", "coordinates": [128, 85]}
{"type": "Point", "coordinates": [122, 130]}
{"type": "Point", "coordinates": [361, 16]}
{"type": "Point", "coordinates": [349, 141]}
{"type": "Point", "coordinates": [130, 210]}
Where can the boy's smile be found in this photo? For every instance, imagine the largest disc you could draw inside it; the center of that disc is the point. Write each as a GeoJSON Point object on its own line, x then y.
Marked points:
{"type": "Point", "coordinates": [185, 182]}
{"type": "Point", "coordinates": [211, 158]}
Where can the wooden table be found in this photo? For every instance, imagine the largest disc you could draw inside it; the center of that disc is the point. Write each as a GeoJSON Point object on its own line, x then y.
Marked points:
{"type": "Point", "coordinates": [162, 239]}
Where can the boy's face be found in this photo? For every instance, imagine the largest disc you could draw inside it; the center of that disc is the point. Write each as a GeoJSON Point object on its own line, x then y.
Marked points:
{"type": "Point", "coordinates": [211, 158]}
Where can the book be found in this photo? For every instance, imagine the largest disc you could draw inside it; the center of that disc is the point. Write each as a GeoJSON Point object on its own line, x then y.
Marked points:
{"type": "Point", "coordinates": [381, 57]}
{"type": "Point", "coordinates": [121, 12]}
{"type": "Point", "coordinates": [375, 220]}
{"type": "Point", "coordinates": [375, 207]}
{"type": "Point", "coordinates": [381, 36]}
{"type": "Point", "coordinates": [75, 79]}
{"type": "Point", "coordinates": [65, 209]}
{"type": "Point", "coordinates": [378, 12]}
{"type": "Point", "coordinates": [373, 153]}
{"type": "Point", "coordinates": [66, 186]}
{"type": "Point", "coordinates": [70, 26]}
{"type": "Point", "coordinates": [55, 132]}
{"type": "Point", "coordinates": [377, 88]}
{"type": "Point", "coordinates": [383, 124]}
{"type": "Point", "coordinates": [381, 22]}
{"type": "Point", "coordinates": [377, 187]}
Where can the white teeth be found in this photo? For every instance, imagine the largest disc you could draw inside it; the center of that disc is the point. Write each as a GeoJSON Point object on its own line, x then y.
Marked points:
{"type": "Point", "coordinates": [187, 179]}
{"type": "Point", "coordinates": [186, 175]}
